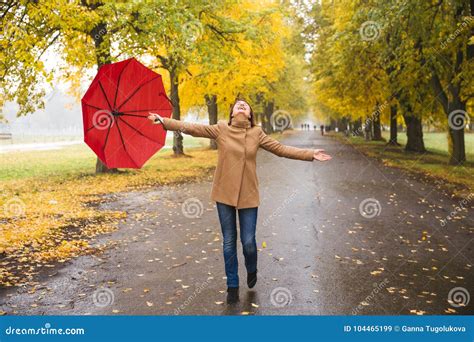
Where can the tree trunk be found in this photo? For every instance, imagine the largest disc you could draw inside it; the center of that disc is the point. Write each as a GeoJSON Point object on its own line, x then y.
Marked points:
{"type": "Point", "coordinates": [414, 134]}
{"type": "Point", "coordinates": [258, 118]}
{"type": "Point", "coordinates": [393, 126]}
{"type": "Point", "coordinates": [263, 121]}
{"type": "Point", "coordinates": [174, 97]}
{"type": "Point", "coordinates": [268, 111]}
{"type": "Point", "coordinates": [102, 54]}
{"type": "Point", "coordinates": [357, 127]}
{"type": "Point", "coordinates": [368, 129]}
{"type": "Point", "coordinates": [456, 147]}
{"type": "Point", "coordinates": [376, 127]}
{"type": "Point", "coordinates": [457, 121]}
{"type": "Point", "coordinates": [343, 125]}
{"type": "Point", "coordinates": [455, 110]}
{"type": "Point", "coordinates": [211, 102]}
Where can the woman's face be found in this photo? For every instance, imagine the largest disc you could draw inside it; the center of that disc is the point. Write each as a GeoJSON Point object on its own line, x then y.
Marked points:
{"type": "Point", "coordinates": [242, 108]}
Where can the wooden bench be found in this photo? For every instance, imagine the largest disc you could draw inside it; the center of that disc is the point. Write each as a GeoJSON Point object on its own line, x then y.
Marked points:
{"type": "Point", "coordinates": [6, 136]}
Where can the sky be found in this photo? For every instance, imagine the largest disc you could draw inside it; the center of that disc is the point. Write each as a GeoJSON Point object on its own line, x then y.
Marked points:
{"type": "Point", "coordinates": [62, 114]}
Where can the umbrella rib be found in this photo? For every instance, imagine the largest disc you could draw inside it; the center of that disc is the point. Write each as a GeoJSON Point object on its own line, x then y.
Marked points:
{"type": "Point", "coordinates": [93, 106]}
{"type": "Point", "coordinates": [93, 126]}
{"type": "Point", "coordinates": [138, 116]}
{"type": "Point", "coordinates": [136, 90]}
{"type": "Point", "coordinates": [123, 144]}
{"type": "Point", "coordinates": [118, 82]}
{"type": "Point", "coordinates": [106, 138]}
{"type": "Point", "coordinates": [136, 130]}
{"type": "Point", "coordinates": [144, 110]}
{"type": "Point", "coordinates": [103, 92]}
{"type": "Point", "coordinates": [121, 138]}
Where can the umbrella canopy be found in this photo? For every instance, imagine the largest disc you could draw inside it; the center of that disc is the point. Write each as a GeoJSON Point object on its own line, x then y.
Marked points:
{"type": "Point", "coordinates": [115, 110]}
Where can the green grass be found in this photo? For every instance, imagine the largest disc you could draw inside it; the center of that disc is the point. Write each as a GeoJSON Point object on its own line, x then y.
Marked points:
{"type": "Point", "coordinates": [46, 195]}
{"type": "Point", "coordinates": [65, 162]}
{"type": "Point", "coordinates": [432, 164]}
{"type": "Point", "coordinates": [438, 142]}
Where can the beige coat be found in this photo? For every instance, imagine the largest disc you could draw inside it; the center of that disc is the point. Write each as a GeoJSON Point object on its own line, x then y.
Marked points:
{"type": "Point", "coordinates": [235, 178]}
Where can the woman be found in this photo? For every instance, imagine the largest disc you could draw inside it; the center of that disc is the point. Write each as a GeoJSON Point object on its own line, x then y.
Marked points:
{"type": "Point", "coordinates": [235, 186]}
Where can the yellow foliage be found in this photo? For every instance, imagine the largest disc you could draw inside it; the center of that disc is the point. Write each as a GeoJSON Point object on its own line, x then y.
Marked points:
{"type": "Point", "coordinates": [247, 65]}
{"type": "Point", "coordinates": [51, 219]}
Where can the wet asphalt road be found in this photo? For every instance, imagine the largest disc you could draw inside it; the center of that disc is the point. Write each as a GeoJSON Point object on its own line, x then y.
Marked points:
{"type": "Point", "coordinates": [318, 255]}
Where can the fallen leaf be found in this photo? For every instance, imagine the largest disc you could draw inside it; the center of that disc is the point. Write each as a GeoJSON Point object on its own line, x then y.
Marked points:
{"type": "Point", "coordinates": [418, 312]}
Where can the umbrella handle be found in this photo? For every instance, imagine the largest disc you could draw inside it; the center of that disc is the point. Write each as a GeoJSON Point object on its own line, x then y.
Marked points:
{"type": "Point", "coordinates": [157, 119]}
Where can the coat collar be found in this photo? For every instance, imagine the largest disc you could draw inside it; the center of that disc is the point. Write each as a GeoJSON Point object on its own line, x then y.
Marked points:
{"type": "Point", "coordinates": [240, 123]}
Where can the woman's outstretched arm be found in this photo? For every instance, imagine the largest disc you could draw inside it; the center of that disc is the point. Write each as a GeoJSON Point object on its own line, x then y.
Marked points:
{"type": "Point", "coordinates": [291, 152]}
{"type": "Point", "coordinates": [194, 129]}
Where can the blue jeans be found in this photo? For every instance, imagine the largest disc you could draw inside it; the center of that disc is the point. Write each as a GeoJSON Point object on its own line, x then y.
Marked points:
{"type": "Point", "coordinates": [248, 224]}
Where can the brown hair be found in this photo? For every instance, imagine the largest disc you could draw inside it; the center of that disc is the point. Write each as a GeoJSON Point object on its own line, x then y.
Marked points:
{"type": "Point", "coordinates": [252, 116]}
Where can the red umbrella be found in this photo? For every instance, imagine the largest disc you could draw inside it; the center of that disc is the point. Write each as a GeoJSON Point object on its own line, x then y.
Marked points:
{"type": "Point", "coordinates": [115, 110]}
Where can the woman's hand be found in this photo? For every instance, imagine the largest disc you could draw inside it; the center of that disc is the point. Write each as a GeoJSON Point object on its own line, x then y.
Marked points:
{"type": "Point", "coordinates": [155, 118]}
{"type": "Point", "coordinates": [319, 155]}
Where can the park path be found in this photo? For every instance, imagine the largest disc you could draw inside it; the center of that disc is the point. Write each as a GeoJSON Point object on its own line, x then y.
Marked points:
{"type": "Point", "coordinates": [319, 252]}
